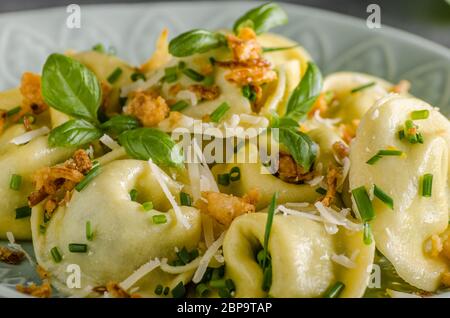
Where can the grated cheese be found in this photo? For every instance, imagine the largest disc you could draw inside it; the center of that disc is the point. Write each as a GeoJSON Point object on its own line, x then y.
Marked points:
{"type": "Point", "coordinates": [307, 215]}
{"type": "Point", "coordinates": [187, 95]}
{"type": "Point", "coordinates": [176, 208]}
{"type": "Point", "coordinates": [139, 273]}
{"type": "Point", "coordinates": [345, 171]}
{"type": "Point", "coordinates": [333, 217]}
{"type": "Point", "coordinates": [109, 142]}
{"type": "Point", "coordinates": [343, 260]}
{"type": "Point", "coordinates": [30, 135]}
{"type": "Point", "coordinates": [206, 258]}
{"type": "Point", "coordinates": [315, 181]}
{"type": "Point", "coordinates": [179, 269]}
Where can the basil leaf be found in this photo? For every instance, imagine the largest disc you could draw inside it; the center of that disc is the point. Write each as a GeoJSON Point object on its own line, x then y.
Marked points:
{"type": "Point", "coordinates": [305, 94]}
{"type": "Point", "coordinates": [262, 18]}
{"type": "Point", "coordinates": [195, 41]}
{"type": "Point", "coordinates": [151, 143]}
{"type": "Point", "coordinates": [70, 87]}
{"type": "Point", "coordinates": [120, 123]}
{"type": "Point", "coordinates": [300, 146]}
{"type": "Point", "coordinates": [75, 132]}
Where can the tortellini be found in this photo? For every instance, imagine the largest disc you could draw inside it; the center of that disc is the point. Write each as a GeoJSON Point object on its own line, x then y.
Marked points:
{"type": "Point", "coordinates": [124, 236]}
{"type": "Point", "coordinates": [301, 255]}
{"type": "Point", "coordinates": [401, 234]}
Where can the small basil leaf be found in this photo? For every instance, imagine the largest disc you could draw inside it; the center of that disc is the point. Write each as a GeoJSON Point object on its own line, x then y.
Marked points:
{"type": "Point", "coordinates": [150, 143]}
{"type": "Point", "coordinates": [70, 87]}
{"type": "Point", "coordinates": [262, 18]}
{"type": "Point", "coordinates": [75, 132]}
{"type": "Point", "coordinates": [305, 94]}
{"type": "Point", "coordinates": [299, 145]}
{"type": "Point", "coordinates": [120, 123]}
{"type": "Point", "coordinates": [285, 122]}
{"type": "Point", "coordinates": [195, 41]}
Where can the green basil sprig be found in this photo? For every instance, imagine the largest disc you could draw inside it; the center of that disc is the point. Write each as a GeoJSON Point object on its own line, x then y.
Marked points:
{"type": "Point", "coordinates": [120, 123]}
{"type": "Point", "coordinates": [299, 145]}
{"type": "Point", "coordinates": [151, 143]}
{"type": "Point", "coordinates": [305, 94]}
{"type": "Point", "coordinates": [74, 132]}
{"type": "Point", "coordinates": [195, 41]}
{"type": "Point", "coordinates": [70, 87]}
{"type": "Point", "coordinates": [262, 18]}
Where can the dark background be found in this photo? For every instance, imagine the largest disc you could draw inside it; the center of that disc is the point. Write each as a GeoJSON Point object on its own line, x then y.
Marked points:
{"type": "Point", "coordinates": [428, 18]}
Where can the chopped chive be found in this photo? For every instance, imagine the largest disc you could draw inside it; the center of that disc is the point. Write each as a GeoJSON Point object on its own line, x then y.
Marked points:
{"type": "Point", "coordinates": [367, 235]}
{"type": "Point", "coordinates": [362, 87]}
{"type": "Point", "coordinates": [56, 255]}
{"type": "Point", "coordinates": [335, 290]}
{"type": "Point", "coordinates": [99, 48]}
{"type": "Point", "coordinates": [159, 289]}
{"type": "Point", "coordinates": [42, 229]}
{"type": "Point", "coordinates": [181, 65]}
{"type": "Point", "coordinates": [179, 106]}
{"type": "Point", "coordinates": [209, 80]}
{"type": "Point", "coordinates": [427, 185]}
{"type": "Point", "coordinates": [15, 182]}
{"type": "Point", "coordinates": [230, 285]}
{"type": "Point", "coordinates": [249, 92]}
{"type": "Point", "coordinates": [89, 232]}
{"type": "Point", "coordinates": [159, 219]}
{"type": "Point", "coordinates": [179, 291]}
{"type": "Point", "coordinates": [321, 191]}
{"type": "Point", "coordinates": [280, 48]}
{"type": "Point", "coordinates": [219, 283]}
{"type": "Point", "coordinates": [235, 174]}
{"type": "Point", "coordinates": [23, 212]}
{"type": "Point", "coordinates": [184, 256]}
{"type": "Point", "coordinates": [136, 76]}
{"type": "Point", "coordinates": [383, 153]}
{"type": "Point", "coordinates": [220, 111]}
{"type": "Point", "coordinates": [193, 75]}
{"type": "Point", "coordinates": [260, 257]}
{"type": "Point", "coordinates": [363, 203]}
{"type": "Point", "coordinates": [77, 248]}
{"type": "Point", "coordinates": [171, 74]}
{"type": "Point", "coordinates": [223, 179]}
{"type": "Point", "coordinates": [88, 178]}
{"type": "Point", "coordinates": [166, 291]}
{"type": "Point", "coordinates": [266, 266]}
{"type": "Point", "coordinates": [114, 76]}
{"type": "Point", "coordinates": [147, 206]}
{"type": "Point", "coordinates": [185, 199]}
{"type": "Point", "coordinates": [202, 290]}
{"type": "Point", "coordinates": [419, 138]}
{"type": "Point", "coordinates": [383, 196]}
{"type": "Point", "coordinates": [133, 195]}
{"type": "Point", "coordinates": [13, 111]}
{"type": "Point", "coordinates": [420, 114]}
{"type": "Point", "coordinates": [224, 293]}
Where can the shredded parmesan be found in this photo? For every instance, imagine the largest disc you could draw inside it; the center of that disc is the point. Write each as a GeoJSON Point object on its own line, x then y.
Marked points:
{"type": "Point", "coordinates": [179, 269]}
{"type": "Point", "coordinates": [333, 217]}
{"type": "Point", "coordinates": [397, 294]}
{"type": "Point", "coordinates": [307, 215]}
{"type": "Point", "coordinates": [187, 95]}
{"type": "Point", "coordinates": [296, 204]}
{"type": "Point", "coordinates": [206, 258]}
{"type": "Point", "coordinates": [313, 182]}
{"type": "Point", "coordinates": [139, 273]}
{"type": "Point", "coordinates": [343, 260]}
{"type": "Point", "coordinates": [344, 174]}
{"type": "Point", "coordinates": [208, 229]}
{"type": "Point", "coordinates": [14, 245]}
{"type": "Point", "coordinates": [158, 175]}
{"type": "Point", "coordinates": [28, 136]}
{"type": "Point", "coordinates": [109, 142]}
{"type": "Point", "coordinates": [326, 121]}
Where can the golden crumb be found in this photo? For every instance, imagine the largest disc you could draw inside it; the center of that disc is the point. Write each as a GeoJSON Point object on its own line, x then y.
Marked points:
{"type": "Point", "coordinates": [332, 177]}
{"type": "Point", "coordinates": [11, 256]}
{"type": "Point", "coordinates": [149, 110]}
{"type": "Point", "coordinates": [43, 274]}
{"type": "Point", "coordinates": [402, 87]}
{"type": "Point", "coordinates": [290, 171]}
{"type": "Point", "coordinates": [341, 149]}
{"type": "Point", "coordinates": [32, 100]}
{"type": "Point", "coordinates": [224, 207]}
{"type": "Point", "coordinates": [244, 46]}
{"type": "Point", "coordinates": [40, 291]}
{"type": "Point", "coordinates": [205, 92]}
{"type": "Point", "coordinates": [82, 161]}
